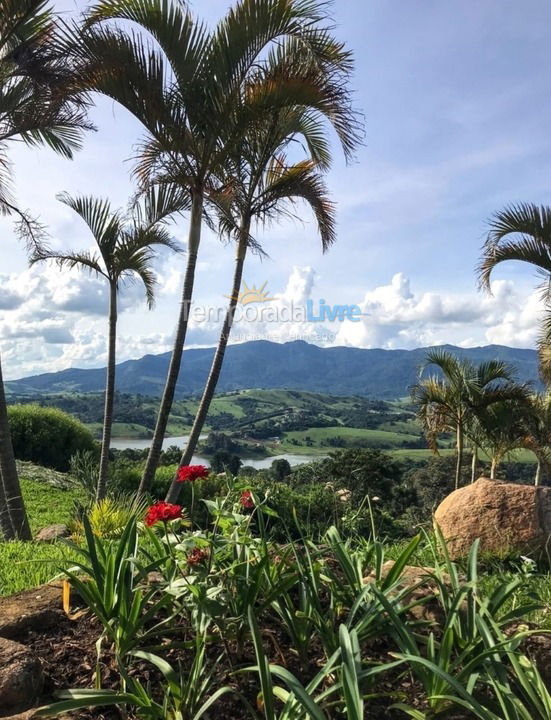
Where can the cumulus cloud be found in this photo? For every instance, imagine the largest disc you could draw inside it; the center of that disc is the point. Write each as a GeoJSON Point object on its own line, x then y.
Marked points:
{"type": "Point", "coordinates": [395, 317]}
{"type": "Point", "coordinates": [60, 325]}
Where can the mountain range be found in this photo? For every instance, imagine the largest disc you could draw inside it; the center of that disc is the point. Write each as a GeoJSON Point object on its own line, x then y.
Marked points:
{"type": "Point", "coordinates": [384, 374]}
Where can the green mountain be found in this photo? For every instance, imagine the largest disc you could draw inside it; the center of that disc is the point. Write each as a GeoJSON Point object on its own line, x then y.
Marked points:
{"type": "Point", "coordinates": [297, 365]}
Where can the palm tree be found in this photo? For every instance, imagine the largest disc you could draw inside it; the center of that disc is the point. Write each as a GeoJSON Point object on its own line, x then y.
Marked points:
{"type": "Point", "coordinates": [536, 433]}
{"type": "Point", "coordinates": [197, 91]}
{"type": "Point", "coordinates": [262, 186]}
{"type": "Point", "coordinates": [500, 431]}
{"type": "Point", "coordinates": [453, 400]}
{"type": "Point", "coordinates": [522, 232]}
{"type": "Point", "coordinates": [39, 104]}
{"type": "Point", "coordinates": [124, 251]}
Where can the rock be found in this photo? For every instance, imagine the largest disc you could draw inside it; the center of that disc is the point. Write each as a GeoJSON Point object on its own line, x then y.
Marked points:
{"type": "Point", "coordinates": [52, 533]}
{"type": "Point", "coordinates": [505, 516]}
{"type": "Point", "coordinates": [21, 677]}
{"type": "Point", "coordinates": [538, 649]}
{"type": "Point", "coordinates": [424, 590]}
{"type": "Point", "coordinates": [36, 609]}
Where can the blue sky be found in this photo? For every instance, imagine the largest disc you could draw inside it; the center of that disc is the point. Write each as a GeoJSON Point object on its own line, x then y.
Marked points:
{"type": "Point", "coordinates": [457, 113]}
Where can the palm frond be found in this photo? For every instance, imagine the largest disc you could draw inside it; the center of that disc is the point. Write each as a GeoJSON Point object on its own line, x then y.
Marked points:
{"type": "Point", "coordinates": [132, 261]}
{"type": "Point", "coordinates": [530, 226]}
{"type": "Point", "coordinates": [104, 223]}
{"type": "Point", "coordinates": [126, 68]}
{"type": "Point", "coordinates": [70, 260]}
{"type": "Point", "coordinates": [447, 362]}
{"type": "Point", "coordinates": [183, 39]}
{"type": "Point", "coordinates": [544, 352]}
{"type": "Point", "coordinates": [159, 203]}
{"type": "Point", "coordinates": [299, 182]}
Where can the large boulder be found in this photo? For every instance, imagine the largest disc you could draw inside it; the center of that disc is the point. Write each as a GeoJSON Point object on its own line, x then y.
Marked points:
{"type": "Point", "coordinates": [21, 677]}
{"type": "Point", "coordinates": [37, 609]}
{"type": "Point", "coordinates": [505, 517]}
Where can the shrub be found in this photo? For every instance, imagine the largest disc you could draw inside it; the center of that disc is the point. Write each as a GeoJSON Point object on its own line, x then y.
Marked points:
{"type": "Point", "coordinates": [47, 436]}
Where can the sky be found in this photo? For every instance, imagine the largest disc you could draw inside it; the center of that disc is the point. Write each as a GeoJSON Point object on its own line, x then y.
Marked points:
{"type": "Point", "coordinates": [457, 122]}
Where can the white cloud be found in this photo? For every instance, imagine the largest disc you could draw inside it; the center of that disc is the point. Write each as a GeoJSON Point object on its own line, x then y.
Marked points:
{"type": "Point", "coordinates": [62, 322]}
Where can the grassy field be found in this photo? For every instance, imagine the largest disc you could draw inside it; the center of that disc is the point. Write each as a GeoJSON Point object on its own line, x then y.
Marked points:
{"type": "Point", "coordinates": [368, 438]}
{"type": "Point", "coordinates": [25, 565]}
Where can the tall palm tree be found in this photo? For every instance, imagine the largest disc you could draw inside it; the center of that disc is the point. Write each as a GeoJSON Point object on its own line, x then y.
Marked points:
{"type": "Point", "coordinates": [522, 232]}
{"type": "Point", "coordinates": [262, 186]}
{"type": "Point", "coordinates": [196, 92]}
{"type": "Point", "coordinates": [39, 104]}
{"type": "Point", "coordinates": [125, 250]}
{"type": "Point", "coordinates": [452, 400]}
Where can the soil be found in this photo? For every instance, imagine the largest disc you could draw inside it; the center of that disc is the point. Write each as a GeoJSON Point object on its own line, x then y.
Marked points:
{"type": "Point", "coordinates": [67, 651]}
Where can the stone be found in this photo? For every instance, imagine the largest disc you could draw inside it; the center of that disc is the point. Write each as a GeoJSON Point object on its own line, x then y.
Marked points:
{"type": "Point", "coordinates": [538, 649]}
{"type": "Point", "coordinates": [424, 590]}
{"type": "Point", "coordinates": [506, 517]}
{"type": "Point", "coordinates": [21, 676]}
{"type": "Point", "coordinates": [37, 609]}
{"type": "Point", "coordinates": [52, 533]}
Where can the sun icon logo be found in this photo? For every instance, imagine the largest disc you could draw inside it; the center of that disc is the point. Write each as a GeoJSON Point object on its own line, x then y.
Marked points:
{"type": "Point", "coordinates": [253, 294]}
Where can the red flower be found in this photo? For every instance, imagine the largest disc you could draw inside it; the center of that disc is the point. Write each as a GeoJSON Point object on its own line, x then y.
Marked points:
{"type": "Point", "coordinates": [247, 499]}
{"type": "Point", "coordinates": [197, 556]}
{"type": "Point", "coordinates": [190, 473]}
{"type": "Point", "coordinates": [162, 511]}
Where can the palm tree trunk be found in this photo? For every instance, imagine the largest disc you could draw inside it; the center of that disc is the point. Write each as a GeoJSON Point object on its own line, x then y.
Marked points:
{"type": "Point", "coordinates": [109, 394]}
{"type": "Point", "coordinates": [11, 489]}
{"type": "Point", "coordinates": [459, 462]}
{"type": "Point", "coordinates": [6, 528]}
{"type": "Point", "coordinates": [537, 480]}
{"type": "Point", "coordinates": [178, 349]}
{"type": "Point", "coordinates": [474, 463]}
{"type": "Point", "coordinates": [493, 468]}
{"type": "Point", "coordinates": [217, 362]}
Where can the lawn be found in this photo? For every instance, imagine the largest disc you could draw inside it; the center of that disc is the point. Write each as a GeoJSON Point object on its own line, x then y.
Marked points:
{"type": "Point", "coordinates": [361, 436]}
{"type": "Point", "coordinates": [25, 565]}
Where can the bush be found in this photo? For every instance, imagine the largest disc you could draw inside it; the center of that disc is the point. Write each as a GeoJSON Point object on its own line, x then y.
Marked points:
{"type": "Point", "coordinates": [47, 436]}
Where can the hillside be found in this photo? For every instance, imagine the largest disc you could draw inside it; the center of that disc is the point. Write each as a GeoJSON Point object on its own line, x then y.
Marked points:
{"type": "Point", "coordinates": [298, 365]}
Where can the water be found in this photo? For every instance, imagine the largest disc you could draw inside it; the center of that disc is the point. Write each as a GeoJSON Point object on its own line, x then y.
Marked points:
{"type": "Point", "coordinates": [263, 463]}
{"type": "Point", "coordinates": [258, 463]}
{"type": "Point", "coordinates": [143, 444]}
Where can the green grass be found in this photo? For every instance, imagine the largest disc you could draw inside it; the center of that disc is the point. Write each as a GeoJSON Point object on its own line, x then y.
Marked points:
{"type": "Point", "coordinates": [26, 565]}
{"type": "Point", "coordinates": [365, 437]}
{"type": "Point", "coordinates": [45, 504]}
{"type": "Point", "coordinates": [120, 430]}
{"type": "Point", "coordinates": [421, 453]}
{"type": "Point", "coordinates": [410, 427]}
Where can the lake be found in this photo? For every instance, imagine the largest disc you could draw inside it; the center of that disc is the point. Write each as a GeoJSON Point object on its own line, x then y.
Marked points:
{"type": "Point", "coordinates": [258, 463]}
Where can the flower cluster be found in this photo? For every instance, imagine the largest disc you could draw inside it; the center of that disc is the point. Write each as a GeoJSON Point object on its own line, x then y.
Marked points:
{"type": "Point", "coordinates": [197, 556]}
{"type": "Point", "coordinates": [247, 500]}
{"type": "Point", "coordinates": [162, 512]}
{"type": "Point", "coordinates": [190, 473]}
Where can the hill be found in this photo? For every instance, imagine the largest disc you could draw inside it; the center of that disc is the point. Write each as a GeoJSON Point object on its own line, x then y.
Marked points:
{"type": "Point", "coordinates": [298, 365]}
